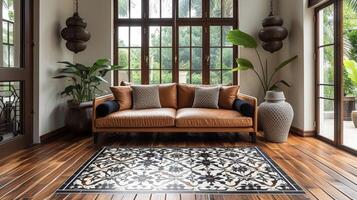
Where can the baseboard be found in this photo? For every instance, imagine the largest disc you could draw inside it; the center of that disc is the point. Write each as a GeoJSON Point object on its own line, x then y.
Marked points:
{"type": "Point", "coordinates": [52, 134]}
{"type": "Point", "coordinates": [302, 133]}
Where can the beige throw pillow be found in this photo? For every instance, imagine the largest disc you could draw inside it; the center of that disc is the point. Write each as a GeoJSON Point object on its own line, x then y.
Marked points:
{"type": "Point", "coordinates": [146, 96]}
{"type": "Point", "coordinates": [206, 97]}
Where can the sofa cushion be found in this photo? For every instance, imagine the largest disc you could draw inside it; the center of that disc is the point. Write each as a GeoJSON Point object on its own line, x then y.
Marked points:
{"type": "Point", "coordinates": [146, 96]}
{"type": "Point", "coordinates": [148, 118]}
{"type": "Point", "coordinates": [211, 118]}
{"type": "Point", "coordinates": [186, 95]}
{"type": "Point", "coordinates": [206, 97]}
{"type": "Point", "coordinates": [122, 94]}
{"type": "Point", "coordinates": [168, 95]}
{"type": "Point", "coordinates": [227, 96]}
{"type": "Point", "coordinates": [107, 107]}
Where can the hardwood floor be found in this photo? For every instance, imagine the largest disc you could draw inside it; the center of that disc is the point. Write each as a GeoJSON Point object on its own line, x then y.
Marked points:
{"type": "Point", "coordinates": [323, 171]}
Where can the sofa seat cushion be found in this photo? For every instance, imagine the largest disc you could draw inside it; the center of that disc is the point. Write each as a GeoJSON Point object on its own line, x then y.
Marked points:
{"type": "Point", "coordinates": [211, 118]}
{"type": "Point", "coordinates": [146, 118]}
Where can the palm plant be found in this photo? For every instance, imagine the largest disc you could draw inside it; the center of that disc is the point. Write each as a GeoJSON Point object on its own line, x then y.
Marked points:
{"type": "Point", "coordinates": [85, 80]}
{"type": "Point", "coordinates": [352, 4]}
{"type": "Point", "coordinates": [240, 38]}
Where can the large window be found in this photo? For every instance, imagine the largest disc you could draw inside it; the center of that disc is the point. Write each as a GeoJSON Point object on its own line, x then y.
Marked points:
{"type": "Point", "coordinates": [164, 41]}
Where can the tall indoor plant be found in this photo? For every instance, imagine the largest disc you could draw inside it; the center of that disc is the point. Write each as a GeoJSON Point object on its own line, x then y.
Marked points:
{"type": "Point", "coordinates": [84, 82]}
{"type": "Point", "coordinates": [266, 79]}
{"type": "Point", "coordinates": [351, 70]}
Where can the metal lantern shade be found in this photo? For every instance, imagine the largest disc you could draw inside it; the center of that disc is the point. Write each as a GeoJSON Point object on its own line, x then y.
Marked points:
{"type": "Point", "coordinates": [75, 33]}
{"type": "Point", "coordinates": [273, 33]}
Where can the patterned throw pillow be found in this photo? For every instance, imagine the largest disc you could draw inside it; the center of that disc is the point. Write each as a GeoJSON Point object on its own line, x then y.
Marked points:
{"type": "Point", "coordinates": [206, 97]}
{"type": "Point", "coordinates": [146, 96]}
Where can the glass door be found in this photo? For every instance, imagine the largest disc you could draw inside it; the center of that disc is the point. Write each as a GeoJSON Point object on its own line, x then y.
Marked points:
{"type": "Point", "coordinates": [349, 116]}
{"type": "Point", "coordinates": [15, 75]}
{"type": "Point", "coordinates": [325, 72]}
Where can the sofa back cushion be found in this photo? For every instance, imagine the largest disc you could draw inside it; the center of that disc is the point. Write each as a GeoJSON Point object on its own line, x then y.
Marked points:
{"type": "Point", "coordinates": [227, 96]}
{"type": "Point", "coordinates": [168, 95]}
{"type": "Point", "coordinates": [186, 95]}
{"type": "Point", "coordinates": [123, 94]}
{"type": "Point", "coordinates": [146, 96]}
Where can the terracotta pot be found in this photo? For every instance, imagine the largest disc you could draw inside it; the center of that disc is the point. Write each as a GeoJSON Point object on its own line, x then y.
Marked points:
{"type": "Point", "coordinates": [354, 118]}
{"type": "Point", "coordinates": [79, 118]}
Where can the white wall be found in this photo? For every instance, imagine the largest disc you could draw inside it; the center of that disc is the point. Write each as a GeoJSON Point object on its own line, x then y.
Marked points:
{"type": "Point", "coordinates": [299, 21]}
{"type": "Point", "coordinates": [50, 16]}
{"type": "Point", "coordinates": [251, 15]}
{"type": "Point", "coordinates": [99, 16]}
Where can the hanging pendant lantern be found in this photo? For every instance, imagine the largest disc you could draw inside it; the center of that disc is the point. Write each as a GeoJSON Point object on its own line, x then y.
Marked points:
{"type": "Point", "coordinates": [75, 33]}
{"type": "Point", "coordinates": [273, 32]}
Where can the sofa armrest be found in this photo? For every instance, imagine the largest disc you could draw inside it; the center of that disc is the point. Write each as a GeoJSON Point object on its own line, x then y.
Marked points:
{"type": "Point", "coordinates": [96, 102]}
{"type": "Point", "coordinates": [254, 102]}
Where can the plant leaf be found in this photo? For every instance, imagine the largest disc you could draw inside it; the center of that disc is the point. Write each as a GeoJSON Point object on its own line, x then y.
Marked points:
{"type": "Point", "coordinates": [240, 38]}
{"type": "Point", "coordinates": [244, 64]}
{"type": "Point", "coordinates": [61, 76]}
{"type": "Point", "coordinates": [66, 63]}
{"type": "Point", "coordinates": [283, 64]}
{"type": "Point", "coordinates": [351, 68]}
{"type": "Point", "coordinates": [276, 86]}
{"type": "Point", "coordinates": [102, 62]}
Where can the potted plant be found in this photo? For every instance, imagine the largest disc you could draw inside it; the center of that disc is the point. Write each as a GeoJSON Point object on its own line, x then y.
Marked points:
{"type": "Point", "coordinates": [84, 82]}
{"type": "Point", "coordinates": [351, 70]}
{"type": "Point", "coordinates": [275, 115]}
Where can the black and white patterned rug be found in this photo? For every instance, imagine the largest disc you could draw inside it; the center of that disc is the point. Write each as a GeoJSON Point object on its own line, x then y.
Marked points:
{"type": "Point", "coordinates": [180, 170]}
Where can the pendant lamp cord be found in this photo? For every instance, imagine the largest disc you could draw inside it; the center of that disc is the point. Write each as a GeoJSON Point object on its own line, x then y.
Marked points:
{"type": "Point", "coordinates": [76, 6]}
{"type": "Point", "coordinates": [271, 7]}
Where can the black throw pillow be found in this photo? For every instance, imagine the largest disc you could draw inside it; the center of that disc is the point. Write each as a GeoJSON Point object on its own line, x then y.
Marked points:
{"type": "Point", "coordinates": [106, 108]}
{"type": "Point", "coordinates": [243, 107]}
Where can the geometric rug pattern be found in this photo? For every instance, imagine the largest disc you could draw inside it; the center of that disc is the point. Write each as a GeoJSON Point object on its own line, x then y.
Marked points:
{"type": "Point", "coordinates": [180, 170]}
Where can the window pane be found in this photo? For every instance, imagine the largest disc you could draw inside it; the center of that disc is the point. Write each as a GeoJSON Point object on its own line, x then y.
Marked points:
{"type": "Point", "coordinates": [225, 30]}
{"type": "Point", "coordinates": [184, 7]}
{"type": "Point", "coordinates": [227, 7]}
{"type": "Point", "coordinates": [326, 25]}
{"type": "Point", "coordinates": [166, 76]}
{"type": "Point", "coordinates": [166, 8]}
{"type": "Point", "coordinates": [154, 76]}
{"type": "Point", "coordinates": [196, 58]}
{"type": "Point", "coordinates": [154, 36]}
{"type": "Point", "coordinates": [154, 8]}
{"type": "Point", "coordinates": [196, 8]}
{"type": "Point", "coordinates": [227, 58]}
{"type": "Point", "coordinates": [184, 36]}
{"type": "Point", "coordinates": [184, 77]}
{"type": "Point", "coordinates": [227, 77]}
{"type": "Point", "coordinates": [327, 119]}
{"type": "Point", "coordinates": [154, 54]}
{"type": "Point", "coordinates": [135, 8]}
{"type": "Point", "coordinates": [215, 58]}
{"type": "Point", "coordinates": [123, 76]}
{"type": "Point", "coordinates": [215, 77]}
{"type": "Point", "coordinates": [123, 8]}
{"type": "Point", "coordinates": [135, 58]}
{"type": "Point", "coordinates": [10, 110]}
{"type": "Point", "coordinates": [327, 65]}
{"type": "Point", "coordinates": [166, 36]}
{"type": "Point", "coordinates": [166, 58]}
{"type": "Point", "coordinates": [135, 77]}
{"type": "Point", "coordinates": [215, 36]}
{"type": "Point", "coordinates": [215, 8]}
{"type": "Point", "coordinates": [4, 32]}
{"type": "Point", "coordinates": [197, 77]}
{"type": "Point", "coordinates": [184, 58]}
{"type": "Point", "coordinates": [123, 57]}
{"type": "Point", "coordinates": [11, 33]}
{"type": "Point", "coordinates": [123, 33]}
{"type": "Point", "coordinates": [196, 36]}
{"type": "Point", "coordinates": [135, 36]}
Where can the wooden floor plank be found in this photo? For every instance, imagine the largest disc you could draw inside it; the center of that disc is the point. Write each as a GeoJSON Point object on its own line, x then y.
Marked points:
{"type": "Point", "coordinates": [323, 171]}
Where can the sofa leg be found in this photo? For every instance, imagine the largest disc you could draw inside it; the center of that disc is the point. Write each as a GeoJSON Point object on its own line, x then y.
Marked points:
{"type": "Point", "coordinates": [95, 138]}
{"type": "Point", "coordinates": [253, 137]}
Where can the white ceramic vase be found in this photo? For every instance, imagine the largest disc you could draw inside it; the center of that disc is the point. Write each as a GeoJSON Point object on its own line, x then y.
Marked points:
{"type": "Point", "coordinates": [276, 116]}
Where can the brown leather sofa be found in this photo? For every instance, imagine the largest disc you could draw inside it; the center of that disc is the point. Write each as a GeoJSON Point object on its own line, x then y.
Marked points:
{"type": "Point", "coordinates": [179, 117]}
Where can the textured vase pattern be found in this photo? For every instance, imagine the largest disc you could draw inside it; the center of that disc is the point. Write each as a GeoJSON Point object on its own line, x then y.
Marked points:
{"type": "Point", "coordinates": [276, 117]}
